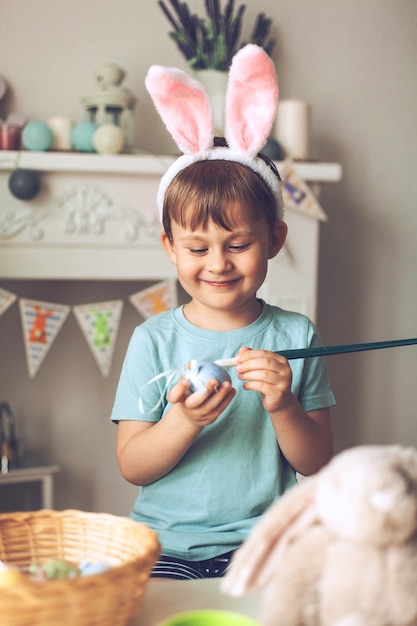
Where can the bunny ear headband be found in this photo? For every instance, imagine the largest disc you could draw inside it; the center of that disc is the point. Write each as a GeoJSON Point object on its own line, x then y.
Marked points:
{"type": "Point", "coordinates": [250, 109]}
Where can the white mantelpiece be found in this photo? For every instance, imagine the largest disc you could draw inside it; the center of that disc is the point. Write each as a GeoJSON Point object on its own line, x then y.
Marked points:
{"type": "Point", "coordinates": [95, 218]}
{"type": "Point", "coordinates": [133, 164]}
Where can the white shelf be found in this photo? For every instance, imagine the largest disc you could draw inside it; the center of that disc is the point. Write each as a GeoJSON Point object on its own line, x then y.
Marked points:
{"type": "Point", "coordinates": [143, 164]}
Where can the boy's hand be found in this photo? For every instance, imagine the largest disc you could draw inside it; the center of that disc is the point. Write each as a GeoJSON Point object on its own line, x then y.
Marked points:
{"type": "Point", "coordinates": [266, 372]}
{"type": "Point", "coordinates": [201, 408]}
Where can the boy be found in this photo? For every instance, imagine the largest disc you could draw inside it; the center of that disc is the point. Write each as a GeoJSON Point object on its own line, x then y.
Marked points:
{"type": "Point", "coordinates": [210, 463]}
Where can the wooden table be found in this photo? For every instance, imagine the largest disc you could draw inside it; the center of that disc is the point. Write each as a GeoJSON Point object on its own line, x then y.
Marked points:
{"type": "Point", "coordinates": [166, 598]}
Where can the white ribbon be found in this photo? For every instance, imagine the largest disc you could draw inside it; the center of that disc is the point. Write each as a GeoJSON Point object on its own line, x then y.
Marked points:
{"type": "Point", "coordinates": [190, 372]}
{"type": "Point", "coordinates": [170, 374]}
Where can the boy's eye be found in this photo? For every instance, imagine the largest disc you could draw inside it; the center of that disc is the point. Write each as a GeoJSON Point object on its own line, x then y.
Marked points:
{"type": "Point", "coordinates": [232, 248]}
{"type": "Point", "coordinates": [239, 248]}
{"type": "Point", "coordinates": [198, 250]}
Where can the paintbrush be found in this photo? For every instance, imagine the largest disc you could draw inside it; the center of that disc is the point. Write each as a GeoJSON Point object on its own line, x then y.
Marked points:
{"type": "Point", "coordinates": [305, 353]}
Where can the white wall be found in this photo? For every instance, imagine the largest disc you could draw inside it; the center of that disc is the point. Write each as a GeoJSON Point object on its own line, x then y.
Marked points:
{"type": "Point", "coordinates": [355, 62]}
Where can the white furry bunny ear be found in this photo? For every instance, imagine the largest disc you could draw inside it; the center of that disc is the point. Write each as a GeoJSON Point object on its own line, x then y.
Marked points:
{"type": "Point", "coordinates": [255, 562]}
{"type": "Point", "coordinates": [184, 107]}
{"type": "Point", "coordinates": [251, 100]}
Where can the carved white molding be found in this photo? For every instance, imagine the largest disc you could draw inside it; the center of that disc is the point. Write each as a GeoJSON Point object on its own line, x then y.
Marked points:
{"type": "Point", "coordinates": [82, 209]}
{"type": "Point", "coordinates": [85, 209]}
{"type": "Point", "coordinates": [14, 221]}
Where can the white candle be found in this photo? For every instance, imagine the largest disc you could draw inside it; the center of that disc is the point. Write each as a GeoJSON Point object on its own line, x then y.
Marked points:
{"type": "Point", "coordinates": [292, 128]}
{"type": "Point", "coordinates": [62, 128]}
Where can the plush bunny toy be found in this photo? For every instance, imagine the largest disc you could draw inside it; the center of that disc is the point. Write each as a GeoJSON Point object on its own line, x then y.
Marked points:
{"type": "Point", "coordinates": [339, 548]}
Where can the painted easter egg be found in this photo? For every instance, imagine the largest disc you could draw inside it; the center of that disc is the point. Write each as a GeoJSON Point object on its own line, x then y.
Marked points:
{"type": "Point", "coordinates": [199, 373]}
{"type": "Point", "coordinates": [24, 184]}
{"type": "Point", "coordinates": [109, 139]}
{"type": "Point", "coordinates": [60, 568]}
{"type": "Point", "coordinates": [82, 136]}
{"type": "Point", "coordinates": [273, 150]}
{"type": "Point", "coordinates": [10, 578]}
{"type": "Point", "coordinates": [91, 569]}
{"type": "Point", "coordinates": [37, 136]}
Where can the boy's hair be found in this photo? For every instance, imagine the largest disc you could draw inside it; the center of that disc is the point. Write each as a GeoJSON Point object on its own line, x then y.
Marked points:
{"type": "Point", "coordinates": [207, 190]}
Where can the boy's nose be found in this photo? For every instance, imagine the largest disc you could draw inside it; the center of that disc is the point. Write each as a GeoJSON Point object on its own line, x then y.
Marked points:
{"type": "Point", "coordinates": [218, 262]}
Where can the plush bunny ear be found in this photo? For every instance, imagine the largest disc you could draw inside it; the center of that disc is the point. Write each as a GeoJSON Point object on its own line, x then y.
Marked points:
{"type": "Point", "coordinates": [184, 107]}
{"type": "Point", "coordinates": [251, 100]}
{"type": "Point", "coordinates": [257, 559]}
{"type": "Point", "coordinates": [250, 109]}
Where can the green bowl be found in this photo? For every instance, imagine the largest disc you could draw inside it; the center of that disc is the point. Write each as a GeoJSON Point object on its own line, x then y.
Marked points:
{"type": "Point", "coordinates": [209, 618]}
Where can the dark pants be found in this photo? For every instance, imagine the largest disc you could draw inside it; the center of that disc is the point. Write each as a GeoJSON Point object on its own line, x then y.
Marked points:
{"type": "Point", "coordinates": [180, 569]}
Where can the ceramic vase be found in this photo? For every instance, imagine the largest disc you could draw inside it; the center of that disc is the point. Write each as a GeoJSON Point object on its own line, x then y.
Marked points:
{"type": "Point", "coordinates": [215, 83]}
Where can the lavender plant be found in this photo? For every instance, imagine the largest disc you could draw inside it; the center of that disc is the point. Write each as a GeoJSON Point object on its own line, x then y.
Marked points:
{"type": "Point", "coordinates": [210, 42]}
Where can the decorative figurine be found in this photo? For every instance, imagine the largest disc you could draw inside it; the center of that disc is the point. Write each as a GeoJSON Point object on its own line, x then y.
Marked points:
{"type": "Point", "coordinates": [111, 103]}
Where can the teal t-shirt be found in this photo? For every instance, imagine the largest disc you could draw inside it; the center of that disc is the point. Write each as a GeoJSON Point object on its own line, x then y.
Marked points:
{"type": "Point", "coordinates": [234, 470]}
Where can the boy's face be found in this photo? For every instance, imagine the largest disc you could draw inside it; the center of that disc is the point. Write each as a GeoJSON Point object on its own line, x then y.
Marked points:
{"type": "Point", "coordinates": [222, 270]}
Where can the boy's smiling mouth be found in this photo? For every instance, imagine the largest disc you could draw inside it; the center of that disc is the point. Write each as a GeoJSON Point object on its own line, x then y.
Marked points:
{"type": "Point", "coordinates": [221, 283]}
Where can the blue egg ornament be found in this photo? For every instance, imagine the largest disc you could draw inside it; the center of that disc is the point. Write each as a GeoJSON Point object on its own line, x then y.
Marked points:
{"type": "Point", "coordinates": [24, 184]}
{"type": "Point", "coordinates": [273, 150]}
{"type": "Point", "coordinates": [82, 136]}
{"type": "Point", "coordinates": [199, 373]}
{"type": "Point", "coordinates": [37, 136]}
{"type": "Point", "coordinates": [91, 569]}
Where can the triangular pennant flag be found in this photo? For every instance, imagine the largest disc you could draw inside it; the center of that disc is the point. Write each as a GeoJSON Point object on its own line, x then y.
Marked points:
{"type": "Point", "coordinates": [6, 300]}
{"type": "Point", "coordinates": [41, 323]}
{"type": "Point", "coordinates": [99, 323]}
{"type": "Point", "coordinates": [297, 194]}
{"type": "Point", "coordinates": [156, 299]}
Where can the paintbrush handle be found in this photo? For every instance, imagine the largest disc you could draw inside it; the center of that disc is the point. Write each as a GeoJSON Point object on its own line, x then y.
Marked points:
{"type": "Point", "coordinates": [304, 353]}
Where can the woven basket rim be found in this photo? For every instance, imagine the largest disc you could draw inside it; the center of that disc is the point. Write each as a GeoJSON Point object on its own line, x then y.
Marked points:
{"type": "Point", "coordinates": [80, 586]}
{"type": "Point", "coordinates": [21, 515]}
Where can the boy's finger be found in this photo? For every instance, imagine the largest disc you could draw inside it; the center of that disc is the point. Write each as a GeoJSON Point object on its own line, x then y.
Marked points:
{"type": "Point", "coordinates": [179, 392]}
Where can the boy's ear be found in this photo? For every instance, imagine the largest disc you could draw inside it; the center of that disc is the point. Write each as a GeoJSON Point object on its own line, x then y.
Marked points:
{"type": "Point", "coordinates": [278, 237]}
{"type": "Point", "coordinates": [168, 246]}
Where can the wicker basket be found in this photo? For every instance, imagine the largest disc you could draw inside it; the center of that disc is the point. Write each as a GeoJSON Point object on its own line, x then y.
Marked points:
{"type": "Point", "coordinates": [111, 598]}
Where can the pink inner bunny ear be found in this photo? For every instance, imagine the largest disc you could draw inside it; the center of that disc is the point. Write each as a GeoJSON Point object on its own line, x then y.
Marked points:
{"type": "Point", "coordinates": [184, 107]}
{"type": "Point", "coordinates": [251, 100]}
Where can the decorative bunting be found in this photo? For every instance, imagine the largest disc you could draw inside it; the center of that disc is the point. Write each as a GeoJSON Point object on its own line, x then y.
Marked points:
{"type": "Point", "coordinates": [297, 194]}
{"type": "Point", "coordinates": [6, 300]}
{"type": "Point", "coordinates": [156, 299]}
{"type": "Point", "coordinates": [41, 323]}
{"type": "Point", "coordinates": [99, 323]}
